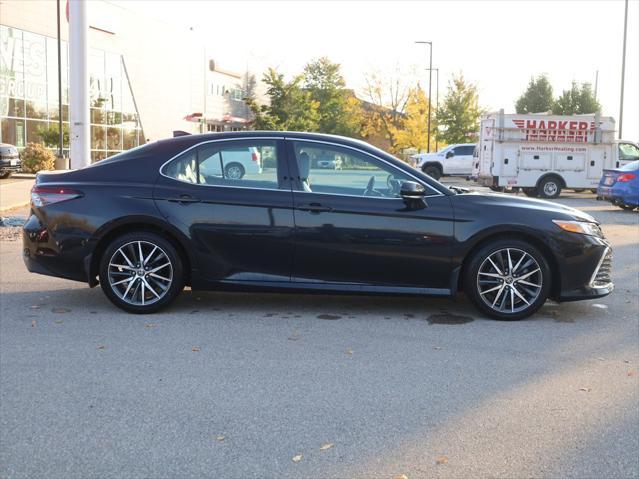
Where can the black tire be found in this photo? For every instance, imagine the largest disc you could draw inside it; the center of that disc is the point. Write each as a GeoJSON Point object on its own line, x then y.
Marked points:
{"type": "Point", "coordinates": [549, 187]}
{"type": "Point", "coordinates": [234, 171]}
{"type": "Point", "coordinates": [5, 175]}
{"type": "Point", "coordinates": [497, 189]}
{"type": "Point", "coordinates": [626, 207]}
{"type": "Point", "coordinates": [148, 241]}
{"type": "Point", "coordinates": [532, 192]}
{"type": "Point", "coordinates": [516, 247]}
{"type": "Point", "coordinates": [434, 171]}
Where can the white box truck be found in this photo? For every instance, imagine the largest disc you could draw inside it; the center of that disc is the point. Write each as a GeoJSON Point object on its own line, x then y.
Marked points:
{"type": "Point", "coordinates": [543, 154]}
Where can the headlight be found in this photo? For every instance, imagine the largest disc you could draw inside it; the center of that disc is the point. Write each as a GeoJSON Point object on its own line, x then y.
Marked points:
{"type": "Point", "coordinates": [582, 227]}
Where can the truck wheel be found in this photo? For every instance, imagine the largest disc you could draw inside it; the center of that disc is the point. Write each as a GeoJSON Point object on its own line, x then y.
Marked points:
{"type": "Point", "coordinates": [433, 171]}
{"type": "Point", "coordinates": [549, 187]}
{"type": "Point", "coordinates": [6, 174]}
{"type": "Point", "coordinates": [532, 192]}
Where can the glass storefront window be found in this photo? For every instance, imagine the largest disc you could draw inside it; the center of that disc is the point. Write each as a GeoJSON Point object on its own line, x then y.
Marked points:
{"type": "Point", "coordinates": [29, 94]}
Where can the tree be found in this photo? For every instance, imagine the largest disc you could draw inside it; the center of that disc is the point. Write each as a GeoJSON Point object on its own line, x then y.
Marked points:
{"type": "Point", "coordinates": [458, 116]}
{"type": "Point", "coordinates": [338, 109]}
{"type": "Point", "coordinates": [50, 135]}
{"type": "Point", "coordinates": [384, 111]}
{"type": "Point", "coordinates": [537, 98]}
{"type": "Point", "coordinates": [414, 131]}
{"type": "Point", "coordinates": [578, 100]}
{"type": "Point", "coordinates": [290, 107]}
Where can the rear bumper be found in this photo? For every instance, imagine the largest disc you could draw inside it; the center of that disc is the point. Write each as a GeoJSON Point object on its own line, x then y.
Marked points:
{"type": "Point", "coordinates": [618, 195]}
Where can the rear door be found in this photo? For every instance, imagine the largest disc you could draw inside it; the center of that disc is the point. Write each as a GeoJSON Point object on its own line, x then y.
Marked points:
{"type": "Point", "coordinates": [241, 228]}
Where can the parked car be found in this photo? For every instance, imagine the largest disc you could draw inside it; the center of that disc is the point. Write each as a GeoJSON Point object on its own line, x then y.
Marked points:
{"type": "Point", "coordinates": [9, 160]}
{"type": "Point", "coordinates": [140, 227]}
{"type": "Point", "coordinates": [454, 160]}
{"type": "Point", "coordinates": [333, 164]}
{"type": "Point", "coordinates": [235, 163]}
{"type": "Point", "coordinates": [620, 186]}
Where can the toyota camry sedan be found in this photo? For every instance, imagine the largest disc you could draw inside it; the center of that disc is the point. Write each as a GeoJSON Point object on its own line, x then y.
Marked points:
{"type": "Point", "coordinates": [148, 222]}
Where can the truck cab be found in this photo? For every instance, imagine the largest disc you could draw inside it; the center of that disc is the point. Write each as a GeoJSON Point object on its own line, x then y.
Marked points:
{"type": "Point", "coordinates": [453, 160]}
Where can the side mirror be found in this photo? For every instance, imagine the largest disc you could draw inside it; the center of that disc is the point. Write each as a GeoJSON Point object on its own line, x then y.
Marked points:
{"type": "Point", "coordinates": [412, 191]}
{"type": "Point", "coordinates": [450, 154]}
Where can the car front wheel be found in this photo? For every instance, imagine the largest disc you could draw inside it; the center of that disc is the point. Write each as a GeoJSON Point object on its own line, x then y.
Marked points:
{"type": "Point", "coordinates": [508, 279]}
{"type": "Point", "coordinates": [433, 171]}
{"type": "Point", "coordinates": [141, 272]}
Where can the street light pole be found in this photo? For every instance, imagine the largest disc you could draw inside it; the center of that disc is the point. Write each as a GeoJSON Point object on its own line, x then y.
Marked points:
{"type": "Point", "coordinates": [623, 68]}
{"type": "Point", "coordinates": [430, 83]}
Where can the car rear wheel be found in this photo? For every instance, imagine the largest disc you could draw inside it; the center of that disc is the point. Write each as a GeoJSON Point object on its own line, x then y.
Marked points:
{"type": "Point", "coordinates": [508, 279]}
{"type": "Point", "coordinates": [141, 272]}
{"type": "Point", "coordinates": [549, 187]}
{"type": "Point", "coordinates": [6, 174]}
{"type": "Point", "coordinates": [433, 171]}
{"type": "Point", "coordinates": [234, 171]}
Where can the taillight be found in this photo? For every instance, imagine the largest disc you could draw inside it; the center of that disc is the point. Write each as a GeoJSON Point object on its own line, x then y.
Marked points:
{"type": "Point", "coordinates": [46, 195]}
{"type": "Point", "coordinates": [626, 177]}
{"type": "Point", "coordinates": [254, 156]}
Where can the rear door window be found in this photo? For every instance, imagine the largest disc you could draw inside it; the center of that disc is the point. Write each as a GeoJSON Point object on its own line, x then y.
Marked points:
{"type": "Point", "coordinates": [242, 163]}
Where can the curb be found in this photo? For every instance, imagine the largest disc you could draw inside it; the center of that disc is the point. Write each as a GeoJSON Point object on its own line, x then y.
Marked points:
{"type": "Point", "coordinates": [13, 206]}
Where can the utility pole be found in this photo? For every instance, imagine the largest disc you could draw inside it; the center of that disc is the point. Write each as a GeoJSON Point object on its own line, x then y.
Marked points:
{"type": "Point", "coordinates": [80, 151]}
{"type": "Point", "coordinates": [430, 83]}
{"type": "Point", "coordinates": [60, 149]}
{"type": "Point", "coordinates": [436, 70]}
{"type": "Point", "coordinates": [623, 68]}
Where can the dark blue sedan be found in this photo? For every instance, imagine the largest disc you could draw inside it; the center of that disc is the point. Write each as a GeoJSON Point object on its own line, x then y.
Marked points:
{"type": "Point", "coordinates": [621, 186]}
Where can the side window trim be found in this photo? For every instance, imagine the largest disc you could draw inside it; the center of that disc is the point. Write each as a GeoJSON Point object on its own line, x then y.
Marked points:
{"type": "Point", "coordinates": [293, 162]}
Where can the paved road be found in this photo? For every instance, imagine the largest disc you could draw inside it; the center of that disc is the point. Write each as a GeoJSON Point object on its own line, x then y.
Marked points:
{"type": "Point", "coordinates": [237, 385]}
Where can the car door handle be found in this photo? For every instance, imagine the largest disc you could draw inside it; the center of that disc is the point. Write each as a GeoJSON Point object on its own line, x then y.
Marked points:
{"type": "Point", "coordinates": [314, 208]}
{"type": "Point", "coordinates": [184, 199]}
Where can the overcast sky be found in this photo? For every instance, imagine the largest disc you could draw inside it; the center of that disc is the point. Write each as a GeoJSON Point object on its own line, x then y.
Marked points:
{"type": "Point", "coordinates": [496, 44]}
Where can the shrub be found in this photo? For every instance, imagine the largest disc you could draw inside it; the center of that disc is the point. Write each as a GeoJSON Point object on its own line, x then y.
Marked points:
{"type": "Point", "coordinates": [36, 157]}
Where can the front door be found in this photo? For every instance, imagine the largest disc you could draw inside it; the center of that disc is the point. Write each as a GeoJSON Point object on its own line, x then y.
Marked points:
{"type": "Point", "coordinates": [352, 227]}
{"type": "Point", "coordinates": [238, 214]}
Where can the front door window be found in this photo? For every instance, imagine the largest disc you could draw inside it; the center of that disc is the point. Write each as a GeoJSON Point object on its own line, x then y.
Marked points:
{"type": "Point", "coordinates": [341, 171]}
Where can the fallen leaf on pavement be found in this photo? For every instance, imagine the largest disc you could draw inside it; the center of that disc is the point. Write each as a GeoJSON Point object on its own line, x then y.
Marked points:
{"type": "Point", "coordinates": [60, 310]}
{"type": "Point", "coordinates": [294, 336]}
{"type": "Point", "coordinates": [58, 321]}
{"type": "Point", "coordinates": [35, 306]}
{"type": "Point", "coordinates": [220, 438]}
{"type": "Point", "coordinates": [195, 349]}
{"type": "Point", "coordinates": [601, 359]}
{"type": "Point", "coordinates": [297, 458]}
{"type": "Point", "coordinates": [632, 372]}
{"type": "Point", "coordinates": [349, 352]}
{"type": "Point", "coordinates": [150, 325]}
{"type": "Point", "coordinates": [441, 460]}
{"type": "Point", "coordinates": [101, 347]}
{"type": "Point", "coordinates": [585, 389]}
{"type": "Point", "coordinates": [401, 476]}
{"type": "Point", "coordinates": [437, 348]}
{"type": "Point", "coordinates": [326, 446]}
{"type": "Point", "coordinates": [34, 323]}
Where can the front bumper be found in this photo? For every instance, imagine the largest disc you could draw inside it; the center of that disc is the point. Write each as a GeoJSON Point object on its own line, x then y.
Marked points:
{"type": "Point", "coordinates": [600, 283]}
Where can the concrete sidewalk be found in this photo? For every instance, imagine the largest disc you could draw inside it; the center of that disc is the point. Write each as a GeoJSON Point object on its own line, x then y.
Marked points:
{"type": "Point", "coordinates": [15, 193]}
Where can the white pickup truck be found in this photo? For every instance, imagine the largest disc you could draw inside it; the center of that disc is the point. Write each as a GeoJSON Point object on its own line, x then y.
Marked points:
{"type": "Point", "coordinates": [454, 160]}
{"type": "Point", "coordinates": [543, 154]}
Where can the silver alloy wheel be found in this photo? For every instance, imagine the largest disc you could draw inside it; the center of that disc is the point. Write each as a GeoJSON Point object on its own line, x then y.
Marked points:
{"type": "Point", "coordinates": [550, 188]}
{"type": "Point", "coordinates": [509, 280]}
{"type": "Point", "coordinates": [140, 273]}
{"type": "Point", "coordinates": [234, 172]}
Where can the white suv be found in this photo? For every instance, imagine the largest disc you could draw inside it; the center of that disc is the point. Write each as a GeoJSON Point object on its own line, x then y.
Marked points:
{"type": "Point", "coordinates": [454, 160]}
{"type": "Point", "coordinates": [236, 163]}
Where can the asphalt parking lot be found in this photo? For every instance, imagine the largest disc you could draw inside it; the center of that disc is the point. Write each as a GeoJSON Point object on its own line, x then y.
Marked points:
{"type": "Point", "coordinates": [318, 386]}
